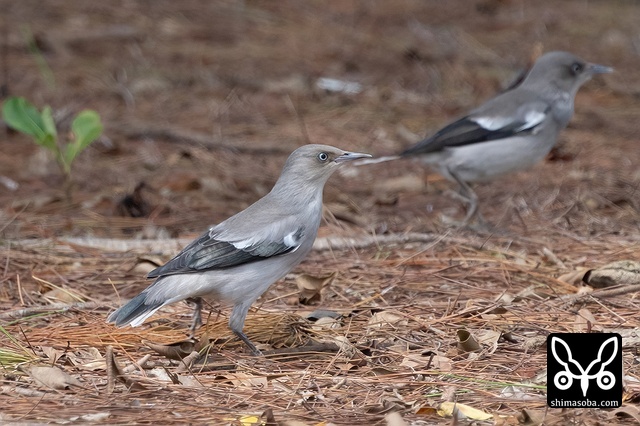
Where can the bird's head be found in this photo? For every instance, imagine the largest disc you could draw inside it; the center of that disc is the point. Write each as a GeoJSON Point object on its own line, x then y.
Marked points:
{"type": "Point", "coordinates": [564, 71]}
{"type": "Point", "coordinates": [311, 165]}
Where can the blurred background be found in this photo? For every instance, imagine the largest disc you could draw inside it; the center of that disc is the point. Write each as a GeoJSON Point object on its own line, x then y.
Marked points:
{"type": "Point", "coordinates": [202, 101]}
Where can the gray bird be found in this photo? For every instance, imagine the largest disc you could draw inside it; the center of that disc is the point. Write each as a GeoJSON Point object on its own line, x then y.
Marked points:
{"type": "Point", "coordinates": [237, 260]}
{"type": "Point", "coordinates": [510, 132]}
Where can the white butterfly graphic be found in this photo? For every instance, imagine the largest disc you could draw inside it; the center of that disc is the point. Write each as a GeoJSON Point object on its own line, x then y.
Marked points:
{"type": "Point", "coordinates": [564, 379]}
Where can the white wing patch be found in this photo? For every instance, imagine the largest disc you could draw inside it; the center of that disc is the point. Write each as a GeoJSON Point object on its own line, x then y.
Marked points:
{"type": "Point", "coordinates": [532, 119]}
{"type": "Point", "coordinates": [291, 240]}
{"type": "Point", "coordinates": [243, 244]}
{"type": "Point", "coordinates": [492, 123]}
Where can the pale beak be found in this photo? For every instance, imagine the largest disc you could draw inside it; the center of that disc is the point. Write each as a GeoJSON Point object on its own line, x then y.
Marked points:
{"type": "Point", "coordinates": [350, 156]}
{"type": "Point", "coordinates": [599, 69]}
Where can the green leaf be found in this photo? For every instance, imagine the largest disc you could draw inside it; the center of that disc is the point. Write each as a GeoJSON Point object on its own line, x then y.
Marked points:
{"type": "Point", "coordinates": [20, 115]}
{"type": "Point", "coordinates": [49, 124]}
{"type": "Point", "coordinates": [86, 128]}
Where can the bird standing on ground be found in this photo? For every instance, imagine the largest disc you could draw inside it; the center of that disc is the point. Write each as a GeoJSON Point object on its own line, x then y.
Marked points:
{"type": "Point", "coordinates": [239, 259]}
{"type": "Point", "coordinates": [510, 132]}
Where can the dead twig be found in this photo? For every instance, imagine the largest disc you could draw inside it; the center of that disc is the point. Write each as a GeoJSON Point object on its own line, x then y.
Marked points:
{"type": "Point", "coordinates": [572, 299]}
{"type": "Point", "coordinates": [187, 362]}
{"type": "Point", "coordinates": [54, 307]}
{"type": "Point", "coordinates": [156, 130]}
{"type": "Point", "coordinates": [115, 371]}
{"type": "Point", "coordinates": [321, 244]}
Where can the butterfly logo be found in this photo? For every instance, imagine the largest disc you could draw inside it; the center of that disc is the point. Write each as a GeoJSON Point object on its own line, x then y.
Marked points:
{"type": "Point", "coordinates": [564, 379]}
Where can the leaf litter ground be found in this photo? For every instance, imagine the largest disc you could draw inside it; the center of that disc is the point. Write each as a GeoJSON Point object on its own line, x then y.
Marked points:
{"type": "Point", "coordinates": [201, 105]}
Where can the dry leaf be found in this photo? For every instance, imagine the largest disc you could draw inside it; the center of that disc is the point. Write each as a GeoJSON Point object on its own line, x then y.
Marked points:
{"type": "Point", "coordinates": [247, 380]}
{"type": "Point", "coordinates": [52, 377]}
{"type": "Point", "coordinates": [550, 257]}
{"type": "Point", "coordinates": [447, 409]}
{"type": "Point", "coordinates": [517, 394]}
{"type": "Point", "coordinates": [58, 295]}
{"type": "Point", "coordinates": [384, 319]}
{"type": "Point", "coordinates": [489, 338]}
{"type": "Point", "coordinates": [189, 381]}
{"type": "Point", "coordinates": [87, 359]}
{"type": "Point", "coordinates": [245, 420]}
{"type": "Point", "coordinates": [624, 411]}
{"type": "Point", "coordinates": [177, 350]}
{"type": "Point", "coordinates": [187, 362]}
{"type": "Point", "coordinates": [204, 343]}
{"type": "Point", "coordinates": [466, 342]}
{"type": "Point", "coordinates": [427, 411]}
{"type": "Point", "coordinates": [586, 322]}
{"type": "Point", "coordinates": [505, 421]}
{"type": "Point", "coordinates": [311, 287]}
{"type": "Point", "coordinates": [574, 277]}
{"type": "Point", "coordinates": [389, 404]}
{"type": "Point", "coordinates": [145, 265]}
{"type": "Point", "coordinates": [93, 417]}
{"type": "Point", "coordinates": [115, 372]}
{"type": "Point", "coordinates": [395, 419]}
{"type": "Point", "coordinates": [52, 353]}
{"type": "Point", "coordinates": [326, 323]}
{"type": "Point", "coordinates": [162, 374]}
{"type": "Point", "coordinates": [624, 272]}
{"type": "Point", "coordinates": [531, 418]}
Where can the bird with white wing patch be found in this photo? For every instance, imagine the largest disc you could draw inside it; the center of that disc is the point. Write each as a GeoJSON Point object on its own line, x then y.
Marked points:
{"type": "Point", "coordinates": [237, 260]}
{"type": "Point", "coordinates": [508, 133]}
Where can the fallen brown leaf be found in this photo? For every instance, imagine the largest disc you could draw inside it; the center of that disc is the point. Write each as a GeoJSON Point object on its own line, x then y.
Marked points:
{"type": "Point", "coordinates": [177, 350]}
{"type": "Point", "coordinates": [311, 287]}
{"type": "Point", "coordinates": [466, 342]}
{"type": "Point", "coordinates": [624, 272]}
{"type": "Point", "coordinates": [52, 377]}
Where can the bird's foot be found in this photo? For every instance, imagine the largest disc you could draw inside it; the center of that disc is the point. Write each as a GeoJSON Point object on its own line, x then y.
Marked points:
{"type": "Point", "coordinates": [196, 321]}
{"type": "Point", "coordinates": [475, 223]}
{"type": "Point", "coordinates": [472, 211]}
{"type": "Point", "coordinates": [456, 196]}
{"type": "Point", "coordinates": [451, 222]}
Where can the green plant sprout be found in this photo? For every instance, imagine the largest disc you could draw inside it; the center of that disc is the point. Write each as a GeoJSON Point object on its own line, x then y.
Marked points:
{"type": "Point", "coordinates": [22, 116]}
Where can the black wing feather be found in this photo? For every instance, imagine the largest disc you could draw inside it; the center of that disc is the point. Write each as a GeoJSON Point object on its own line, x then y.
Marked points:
{"type": "Point", "coordinates": [464, 132]}
{"type": "Point", "coordinates": [207, 253]}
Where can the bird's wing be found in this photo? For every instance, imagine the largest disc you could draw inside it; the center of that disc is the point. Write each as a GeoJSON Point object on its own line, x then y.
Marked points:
{"type": "Point", "coordinates": [495, 120]}
{"type": "Point", "coordinates": [218, 248]}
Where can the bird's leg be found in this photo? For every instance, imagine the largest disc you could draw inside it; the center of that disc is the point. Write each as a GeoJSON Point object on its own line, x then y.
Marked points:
{"type": "Point", "coordinates": [196, 321]}
{"type": "Point", "coordinates": [472, 202]}
{"type": "Point", "coordinates": [468, 196]}
{"type": "Point", "coordinates": [255, 351]}
{"type": "Point", "coordinates": [236, 324]}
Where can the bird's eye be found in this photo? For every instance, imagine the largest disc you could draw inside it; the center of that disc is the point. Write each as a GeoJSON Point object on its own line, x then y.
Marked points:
{"type": "Point", "coordinates": [576, 68]}
{"type": "Point", "coordinates": [323, 156]}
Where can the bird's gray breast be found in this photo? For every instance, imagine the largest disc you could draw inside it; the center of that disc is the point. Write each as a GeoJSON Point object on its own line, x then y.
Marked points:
{"type": "Point", "coordinates": [562, 109]}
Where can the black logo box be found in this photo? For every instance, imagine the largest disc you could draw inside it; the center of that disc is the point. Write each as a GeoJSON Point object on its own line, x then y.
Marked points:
{"type": "Point", "coordinates": [584, 370]}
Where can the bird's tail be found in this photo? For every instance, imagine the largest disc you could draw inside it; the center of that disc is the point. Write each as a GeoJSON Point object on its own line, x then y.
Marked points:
{"type": "Point", "coordinates": [135, 312]}
{"type": "Point", "coordinates": [376, 160]}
